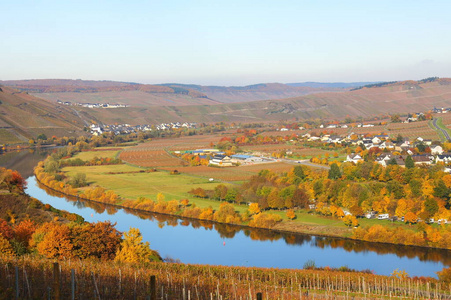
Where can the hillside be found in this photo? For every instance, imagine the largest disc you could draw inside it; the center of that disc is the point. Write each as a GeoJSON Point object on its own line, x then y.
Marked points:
{"type": "Point", "coordinates": [140, 95]}
{"type": "Point", "coordinates": [256, 92]}
{"type": "Point", "coordinates": [401, 97]}
{"type": "Point", "coordinates": [89, 91]}
{"type": "Point", "coordinates": [23, 116]}
{"type": "Point", "coordinates": [341, 85]}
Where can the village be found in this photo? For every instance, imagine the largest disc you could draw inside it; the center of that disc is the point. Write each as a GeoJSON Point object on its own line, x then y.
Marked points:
{"type": "Point", "coordinates": [92, 105]}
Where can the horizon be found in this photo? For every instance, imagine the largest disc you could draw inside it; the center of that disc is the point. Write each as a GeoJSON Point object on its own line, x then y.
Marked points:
{"type": "Point", "coordinates": [226, 44]}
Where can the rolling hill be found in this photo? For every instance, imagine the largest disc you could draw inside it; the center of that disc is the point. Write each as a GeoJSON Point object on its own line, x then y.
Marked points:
{"type": "Point", "coordinates": [400, 97]}
{"type": "Point", "coordinates": [23, 116]}
{"type": "Point", "coordinates": [387, 98]}
{"type": "Point", "coordinates": [142, 95]}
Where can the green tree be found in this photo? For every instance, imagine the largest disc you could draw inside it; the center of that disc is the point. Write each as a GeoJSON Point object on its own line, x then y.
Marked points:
{"type": "Point", "coordinates": [334, 172]}
{"type": "Point", "coordinates": [299, 172]}
{"type": "Point", "coordinates": [409, 162]}
{"type": "Point", "coordinates": [441, 191]}
{"type": "Point", "coordinates": [79, 180]}
{"type": "Point", "coordinates": [41, 137]}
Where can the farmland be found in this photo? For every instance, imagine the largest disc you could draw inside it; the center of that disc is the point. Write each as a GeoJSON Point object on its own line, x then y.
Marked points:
{"type": "Point", "coordinates": [413, 130]}
{"type": "Point", "coordinates": [40, 280]}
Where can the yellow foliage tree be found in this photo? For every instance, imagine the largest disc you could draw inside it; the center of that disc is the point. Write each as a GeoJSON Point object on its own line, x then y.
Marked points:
{"type": "Point", "coordinates": [350, 220]}
{"type": "Point", "coordinates": [133, 250]}
{"type": "Point", "coordinates": [254, 208]}
{"type": "Point", "coordinates": [5, 247]}
{"type": "Point", "coordinates": [290, 214]}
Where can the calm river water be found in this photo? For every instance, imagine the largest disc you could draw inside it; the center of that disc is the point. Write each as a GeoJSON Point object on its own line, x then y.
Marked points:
{"type": "Point", "coordinates": [207, 243]}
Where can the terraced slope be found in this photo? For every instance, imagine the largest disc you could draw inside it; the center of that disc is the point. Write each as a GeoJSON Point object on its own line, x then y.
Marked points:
{"type": "Point", "coordinates": [23, 116]}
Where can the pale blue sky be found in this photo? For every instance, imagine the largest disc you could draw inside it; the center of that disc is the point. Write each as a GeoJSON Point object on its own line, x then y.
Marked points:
{"type": "Point", "coordinates": [225, 42]}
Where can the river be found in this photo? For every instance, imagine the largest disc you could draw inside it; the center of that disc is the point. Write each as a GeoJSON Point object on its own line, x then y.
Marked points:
{"type": "Point", "coordinates": [196, 242]}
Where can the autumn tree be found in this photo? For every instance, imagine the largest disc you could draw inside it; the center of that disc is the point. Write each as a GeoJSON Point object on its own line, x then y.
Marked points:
{"type": "Point", "coordinates": [24, 230]}
{"type": "Point", "coordinates": [290, 214]}
{"type": "Point", "coordinates": [5, 230]}
{"type": "Point", "coordinates": [133, 250]}
{"type": "Point", "coordinates": [5, 247]}
{"type": "Point", "coordinates": [350, 220]}
{"type": "Point", "coordinates": [53, 240]}
{"type": "Point", "coordinates": [254, 208]}
{"type": "Point", "coordinates": [227, 214]}
{"type": "Point", "coordinates": [98, 240]}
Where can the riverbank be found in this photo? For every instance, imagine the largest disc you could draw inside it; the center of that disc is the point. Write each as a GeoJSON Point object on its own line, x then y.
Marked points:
{"type": "Point", "coordinates": [133, 188]}
{"type": "Point", "coordinates": [285, 227]}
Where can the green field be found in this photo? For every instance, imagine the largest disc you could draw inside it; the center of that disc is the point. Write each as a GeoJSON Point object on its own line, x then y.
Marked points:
{"type": "Point", "coordinates": [148, 184]}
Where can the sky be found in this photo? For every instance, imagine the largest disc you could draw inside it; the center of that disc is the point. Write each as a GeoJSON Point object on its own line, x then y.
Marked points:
{"type": "Point", "coordinates": [233, 42]}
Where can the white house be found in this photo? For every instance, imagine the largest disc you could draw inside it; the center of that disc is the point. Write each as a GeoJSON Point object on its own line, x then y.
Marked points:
{"type": "Point", "coordinates": [355, 158]}
{"type": "Point", "coordinates": [437, 150]}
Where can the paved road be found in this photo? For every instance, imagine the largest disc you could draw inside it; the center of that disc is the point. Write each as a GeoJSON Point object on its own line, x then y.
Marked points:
{"type": "Point", "coordinates": [445, 132]}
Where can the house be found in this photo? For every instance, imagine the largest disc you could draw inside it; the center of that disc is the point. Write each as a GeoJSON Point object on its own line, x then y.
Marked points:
{"type": "Point", "coordinates": [376, 140]}
{"type": "Point", "coordinates": [355, 158]}
{"type": "Point", "coordinates": [445, 158]}
{"type": "Point", "coordinates": [422, 159]}
{"type": "Point", "coordinates": [437, 150]}
{"type": "Point", "coordinates": [387, 145]}
{"type": "Point", "coordinates": [221, 160]}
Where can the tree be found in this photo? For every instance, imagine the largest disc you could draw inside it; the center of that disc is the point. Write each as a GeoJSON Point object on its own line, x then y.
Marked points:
{"type": "Point", "coordinates": [24, 230]}
{"type": "Point", "coordinates": [290, 214]}
{"type": "Point", "coordinates": [409, 162]}
{"type": "Point", "coordinates": [5, 247]}
{"type": "Point", "coordinates": [350, 220]}
{"type": "Point", "coordinates": [334, 172]}
{"type": "Point", "coordinates": [441, 191]}
{"type": "Point", "coordinates": [42, 136]}
{"type": "Point", "coordinates": [254, 208]}
{"type": "Point", "coordinates": [410, 218]}
{"type": "Point", "coordinates": [299, 172]}
{"type": "Point", "coordinates": [133, 250]}
{"type": "Point", "coordinates": [53, 241]}
{"type": "Point", "coordinates": [99, 240]}
{"type": "Point", "coordinates": [79, 180]}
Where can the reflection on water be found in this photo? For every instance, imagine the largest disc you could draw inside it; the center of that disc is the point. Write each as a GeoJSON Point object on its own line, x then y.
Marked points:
{"type": "Point", "coordinates": [229, 232]}
{"type": "Point", "coordinates": [203, 242]}
{"type": "Point", "coordinates": [23, 161]}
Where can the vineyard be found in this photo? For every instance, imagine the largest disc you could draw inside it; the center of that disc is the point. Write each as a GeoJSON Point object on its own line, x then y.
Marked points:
{"type": "Point", "coordinates": [413, 130]}
{"type": "Point", "coordinates": [233, 173]}
{"type": "Point", "coordinates": [31, 278]}
{"type": "Point", "coordinates": [155, 153]}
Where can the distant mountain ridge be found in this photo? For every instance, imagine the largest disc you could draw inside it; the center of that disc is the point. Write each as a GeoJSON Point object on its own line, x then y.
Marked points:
{"type": "Point", "coordinates": [338, 85]}
{"type": "Point", "coordinates": [59, 89]}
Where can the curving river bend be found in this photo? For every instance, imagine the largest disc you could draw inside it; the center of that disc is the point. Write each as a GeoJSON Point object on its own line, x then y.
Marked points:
{"type": "Point", "coordinates": [197, 242]}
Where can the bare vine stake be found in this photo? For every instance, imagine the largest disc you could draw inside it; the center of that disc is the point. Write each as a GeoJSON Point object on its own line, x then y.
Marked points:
{"type": "Point", "coordinates": [56, 281]}
{"type": "Point", "coordinates": [134, 288]}
{"type": "Point", "coordinates": [120, 282]}
{"type": "Point", "coordinates": [96, 291]}
{"type": "Point", "coordinates": [72, 283]}
{"type": "Point", "coordinates": [26, 280]}
{"type": "Point", "coordinates": [17, 281]}
{"type": "Point", "coordinates": [153, 289]}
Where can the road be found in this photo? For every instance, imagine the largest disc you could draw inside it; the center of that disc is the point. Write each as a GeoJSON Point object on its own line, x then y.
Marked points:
{"type": "Point", "coordinates": [445, 132]}
{"type": "Point", "coordinates": [305, 162]}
